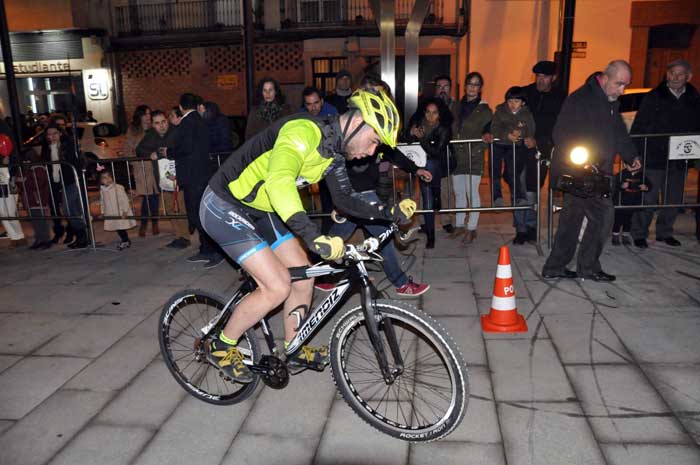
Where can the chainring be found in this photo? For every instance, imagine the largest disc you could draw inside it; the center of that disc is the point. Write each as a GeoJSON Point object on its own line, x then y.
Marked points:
{"type": "Point", "coordinates": [273, 372]}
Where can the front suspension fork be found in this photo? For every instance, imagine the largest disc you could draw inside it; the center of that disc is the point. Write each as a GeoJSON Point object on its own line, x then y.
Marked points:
{"type": "Point", "coordinates": [373, 327]}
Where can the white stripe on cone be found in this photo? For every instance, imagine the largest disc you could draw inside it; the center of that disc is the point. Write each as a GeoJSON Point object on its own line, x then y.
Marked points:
{"type": "Point", "coordinates": [503, 272]}
{"type": "Point", "coordinates": [503, 303]}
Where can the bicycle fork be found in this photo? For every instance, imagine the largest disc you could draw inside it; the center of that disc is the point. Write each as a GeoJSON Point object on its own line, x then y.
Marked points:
{"type": "Point", "coordinates": [374, 323]}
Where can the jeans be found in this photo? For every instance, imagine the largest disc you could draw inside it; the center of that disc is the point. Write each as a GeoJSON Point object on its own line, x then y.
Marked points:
{"type": "Point", "coordinates": [391, 263]}
{"type": "Point", "coordinates": [430, 193]}
{"type": "Point", "coordinates": [149, 208]}
{"type": "Point", "coordinates": [514, 158]}
{"type": "Point", "coordinates": [73, 208]}
{"type": "Point", "coordinates": [467, 193]}
{"type": "Point", "coordinates": [671, 193]}
{"type": "Point", "coordinates": [599, 212]}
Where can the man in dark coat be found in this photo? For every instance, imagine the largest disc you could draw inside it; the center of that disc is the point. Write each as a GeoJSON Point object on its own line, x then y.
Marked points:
{"type": "Point", "coordinates": [544, 99]}
{"type": "Point", "coordinates": [191, 155]}
{"type": "Point", "coordinates": [590, 118]}
{"type": "Point", "coordinates": [672, 107]}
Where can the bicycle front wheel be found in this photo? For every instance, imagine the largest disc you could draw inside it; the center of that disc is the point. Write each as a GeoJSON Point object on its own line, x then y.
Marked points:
{"type": "Point", "coordinates": [184, 348]}
{"type": "Point", "coordinates": [428, 398]}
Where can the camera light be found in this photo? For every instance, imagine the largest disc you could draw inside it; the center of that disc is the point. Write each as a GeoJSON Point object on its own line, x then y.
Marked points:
{"type": "Point", "coordinates": [579, 155]}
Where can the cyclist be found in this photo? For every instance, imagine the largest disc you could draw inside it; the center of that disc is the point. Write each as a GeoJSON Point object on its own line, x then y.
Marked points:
{"type": "Point", "coordinates": [252, 204]}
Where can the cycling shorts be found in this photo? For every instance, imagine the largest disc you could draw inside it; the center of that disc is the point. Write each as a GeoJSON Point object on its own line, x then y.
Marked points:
{"type": "Point", "coordinates": [238, 229]}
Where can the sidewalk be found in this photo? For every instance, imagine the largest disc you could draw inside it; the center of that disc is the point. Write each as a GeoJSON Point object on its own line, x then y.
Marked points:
{"type": "Point", "coordinates": [607, 373]}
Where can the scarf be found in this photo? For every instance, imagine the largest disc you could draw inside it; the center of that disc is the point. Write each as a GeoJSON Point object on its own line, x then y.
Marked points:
{"type": "Point", "coordinates": [269, 111]}
{"type": "Point", "coordinates": [467, 107]}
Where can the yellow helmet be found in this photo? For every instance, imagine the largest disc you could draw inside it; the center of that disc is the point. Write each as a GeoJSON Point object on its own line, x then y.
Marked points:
{"type": "Point", "coordinates": [379, 111]}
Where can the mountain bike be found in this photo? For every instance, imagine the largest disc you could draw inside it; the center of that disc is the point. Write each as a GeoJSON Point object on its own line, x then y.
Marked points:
{"type": "Point", "coordinates": [394, 365]}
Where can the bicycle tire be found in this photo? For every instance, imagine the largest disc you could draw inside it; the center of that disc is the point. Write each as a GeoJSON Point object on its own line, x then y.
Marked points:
{"type": "Point", "coordinates": [184, 354]}
{"type": "Point", "coordinates": [426, 348]}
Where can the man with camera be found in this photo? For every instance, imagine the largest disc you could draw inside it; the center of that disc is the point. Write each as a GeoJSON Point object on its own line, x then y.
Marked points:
{"type": "Point", "coordinates": [589, 132]}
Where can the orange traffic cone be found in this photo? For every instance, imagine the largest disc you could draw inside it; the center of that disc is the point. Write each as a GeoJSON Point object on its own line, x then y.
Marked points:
{"type": "Point", "coordinates": [503, 317]}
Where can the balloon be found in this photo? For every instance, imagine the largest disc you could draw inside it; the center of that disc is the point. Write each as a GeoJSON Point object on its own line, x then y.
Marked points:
{"type": "Point", "coordinates": [6, 145]}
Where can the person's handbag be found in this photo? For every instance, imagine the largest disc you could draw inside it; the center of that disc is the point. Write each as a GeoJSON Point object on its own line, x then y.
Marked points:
{"type": "Point", "coordinates": [166, 169]}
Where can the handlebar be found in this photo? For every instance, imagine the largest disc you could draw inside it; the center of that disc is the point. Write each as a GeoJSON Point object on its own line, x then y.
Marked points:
{"type": "Point", "coordinates": [368, 248]}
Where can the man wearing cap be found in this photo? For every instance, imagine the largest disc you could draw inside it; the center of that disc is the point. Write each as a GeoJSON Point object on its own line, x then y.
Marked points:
{"type": "Point", "coordinates": [672, 107]}
{"type": "Point", "coordinates": [544, 99]}
{"type": "Point", "coordinates": [343, 90]}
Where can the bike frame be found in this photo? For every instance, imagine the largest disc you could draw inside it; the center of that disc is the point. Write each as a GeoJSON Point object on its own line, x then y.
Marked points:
{"type": "Point", "coordinates": [357, 273]}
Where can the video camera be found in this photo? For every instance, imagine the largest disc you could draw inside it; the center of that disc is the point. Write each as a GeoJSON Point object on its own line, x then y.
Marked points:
{"type": "Point", "coordinates": [586, 182]}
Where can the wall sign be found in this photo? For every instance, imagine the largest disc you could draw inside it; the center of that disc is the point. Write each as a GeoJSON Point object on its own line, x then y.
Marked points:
{"type": "Point", "coordinates": [683, 147]}
{"type": "Point", "coordinates": [97, 84]}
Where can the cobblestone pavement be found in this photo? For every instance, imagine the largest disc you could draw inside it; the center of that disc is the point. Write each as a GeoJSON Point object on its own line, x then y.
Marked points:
{"type": "Point", "coordinates": [606, 374]}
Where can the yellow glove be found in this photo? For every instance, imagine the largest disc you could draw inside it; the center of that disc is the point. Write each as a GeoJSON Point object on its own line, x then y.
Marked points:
{"type": "Point", "coordinates": [404, 212]}
{"type": "Point", "coordinates": [329, 247]}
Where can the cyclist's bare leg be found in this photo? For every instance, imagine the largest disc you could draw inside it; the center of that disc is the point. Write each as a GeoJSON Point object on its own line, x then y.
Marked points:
{"type": "Point", "coordinates": [274, 286]}
{"type": "Point", "coordinates": [296, 306]}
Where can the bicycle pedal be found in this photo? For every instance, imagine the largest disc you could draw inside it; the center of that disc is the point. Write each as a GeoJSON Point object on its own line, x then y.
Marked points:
{"type": "Point", "coordinates": [297, 367]}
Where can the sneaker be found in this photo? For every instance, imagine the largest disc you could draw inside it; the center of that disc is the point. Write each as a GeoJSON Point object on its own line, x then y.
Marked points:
{"type": "Point", "coordinates": [229, 360]}
{"type": "Point", "coordinates": [641, 243]}
{"type": "Point", "coordinates": [520, 238]}
{"type": "Point", "coordinates": [3, 235]}
{"type": "Point", "coordinates": [616, 239]}
{"type": "Point", "coordinates": [199, 258]}
{"type": "Point", "coordinates": [670, 240]}
{"type": "Point", "coordinates": [411, 289]}
{"type": "Point", "coordinates": [626, 239]}
{"type": "Point", "coordinates": [179, 243]}
{"type": "Point", "coordinates": [124, 245]}
{"type": "Point", "coordinates": [448, 228]}
{"type": "Point", "coordinates": [531, 235]}
{"type": "Point", "coordinates": [309, 357]}
{"type": "Point", "coordinates": [214, 262]}
{"type": "Point", "coordinates": [325, 287]}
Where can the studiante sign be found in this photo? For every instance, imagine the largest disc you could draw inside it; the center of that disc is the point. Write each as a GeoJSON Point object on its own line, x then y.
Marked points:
{"type": "Point", "coordinates": [40, 67]}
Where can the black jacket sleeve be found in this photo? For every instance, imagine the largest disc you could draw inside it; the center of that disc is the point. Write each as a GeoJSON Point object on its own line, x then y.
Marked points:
{"type": "Point", "coordinates": [397, 157]}
{"type": "Point", "coordinates": [436, 142]}
{"type": "Point", "coordinates": [345, 199]}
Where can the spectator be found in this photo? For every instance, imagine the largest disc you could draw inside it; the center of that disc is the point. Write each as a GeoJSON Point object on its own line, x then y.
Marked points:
{"type": "Point", "coordinates": [343, 90]}
{"type": "Point", "coordinates": [219, 129]}
{"type": "Point", "coordinates": [434, 133]}
{"type": "Point", "coordinates": [315, 106]}
{"type": "Point", "coordinates": [630, 186]}
{"type": "Point", "coordinates": [174, 116]}
{"type": "Point", "coordinates": [474, 116]}
{"type": "Point", "coordinates": [33, 188]}
{"type": "Point", "coordinates": [544, 99]}
{"type": "Point", "coordinates": [144, 175]}
{"type": "Point", "coordinates": [514, 126]}
{"type": "Point", "coordinates": [114, 202]}
{"type": "Point", "coordinates": [192, 165]}
{"type": "Point", "coordinates": [364, 178]}
{"type": "Point", "coordinates": [58, 146]}
{"type": "Point", "coordinates": [590, 116]}
{"type": "Point", "coordinates": [157, 144]}
{"type": "Point", "coordinates": [8, 202]}
{"type": "Point", "coordinates": [50, 153]}
{"type": "Point", "coordinates": [314, 103]}
{"type": "Point", "coordinates": [672, 107]}
{"type": "Point", "coordinates": [270, 107]}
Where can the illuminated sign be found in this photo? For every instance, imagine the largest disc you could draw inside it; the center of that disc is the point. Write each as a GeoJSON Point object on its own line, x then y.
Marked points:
{"type": "Point", "coordinates": [97, 84]}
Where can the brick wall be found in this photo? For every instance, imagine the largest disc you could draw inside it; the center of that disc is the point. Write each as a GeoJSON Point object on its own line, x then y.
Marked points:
{"type": "Point", "coordinates": [158, 77]}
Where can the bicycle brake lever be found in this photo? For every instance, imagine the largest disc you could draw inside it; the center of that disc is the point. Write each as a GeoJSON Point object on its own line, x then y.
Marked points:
{"type": "Point", "coordinates": [403, 237]}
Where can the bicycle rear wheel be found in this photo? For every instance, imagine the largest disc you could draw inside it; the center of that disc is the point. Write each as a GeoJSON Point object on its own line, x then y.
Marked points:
{"type": "Point", "coordinates": [427, 400]}
{"type": "Point", "coordinates": [184, 348]}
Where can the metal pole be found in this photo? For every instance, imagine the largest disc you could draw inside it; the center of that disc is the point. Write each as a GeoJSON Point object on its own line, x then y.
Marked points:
{"type": "Point", "coordinates": [10, 75]}
{"type": "Point", "coordinates": [248, 33]}
{"type": "Point", "coordinates": [567, 37]}
{"type": "Point", "coordinates": [539, 196]}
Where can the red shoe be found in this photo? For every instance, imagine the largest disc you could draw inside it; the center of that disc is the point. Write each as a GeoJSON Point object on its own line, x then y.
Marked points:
{"type": "Point", "coordinates": [324, 286]}
{"type": "Point", "coordinates": [411, 289]}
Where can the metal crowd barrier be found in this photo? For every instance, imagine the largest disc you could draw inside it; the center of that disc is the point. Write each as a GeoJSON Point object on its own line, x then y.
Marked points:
{"type": "Point", "coordinates": [554, 208]}
{"type": "Point", "coordinates": [124, 171]}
